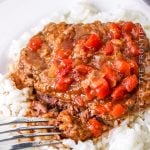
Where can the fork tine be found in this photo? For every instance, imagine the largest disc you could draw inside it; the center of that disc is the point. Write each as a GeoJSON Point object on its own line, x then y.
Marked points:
{"type": "Point", "coordinates": [27, 128]}
{"type": "Point", "coordinates": [16, 120]}
{"type": "Point", "coordinates": [29, 136]}
{"type": "Point", "coordinates": [33, 144]}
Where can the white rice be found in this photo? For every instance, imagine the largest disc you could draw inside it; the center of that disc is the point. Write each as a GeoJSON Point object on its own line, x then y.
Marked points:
{"type": "Point", "coordinates": [13, 102]}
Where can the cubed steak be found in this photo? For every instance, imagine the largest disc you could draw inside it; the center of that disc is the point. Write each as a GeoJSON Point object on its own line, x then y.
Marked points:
{"type": "Point", "coordinates": [84, 76]}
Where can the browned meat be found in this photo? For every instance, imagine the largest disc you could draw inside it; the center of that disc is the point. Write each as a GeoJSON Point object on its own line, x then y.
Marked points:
{"type": "Point", "coordinates": [84, 76]}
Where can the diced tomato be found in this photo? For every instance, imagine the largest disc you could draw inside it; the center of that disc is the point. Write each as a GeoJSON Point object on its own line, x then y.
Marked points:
{"type": "Point", "coordinates": [83, 69]}
{"type": "Point", "coordinates": [110, 76]}
{"type": "Point", "coordinates": [90, 93]}
{"type": "Point", "coordinates": [122, 66]}
{"type": "Point", "coordinates": [63, 53]}
{"type": "Point", "coordinates": [95, 83]}
{"type": "Point", "coordinates": [109, 48]}
{"type": "Point", "coordinates": [133, 48]}
{"type": "Point", "coordinates": [130, 82]}
{"type": "Point", "coordinates": [133, 67]}
{"type": "Point", "coordinates": [118, 111]}
{"type": "Point", "coordinates": [103, 89]}
{"type": "Point", "coordinates": [67, 62]}
{"type": "Point", "coordinates": [63, 84]}
{"type": "Point", "coordinates": [95, 127]}
{"type": "Point", "coordinates": [67, 66]}
{"type": "Point", "coordinates": [35, 43]}
{"type": "Point", "coordinates": [115, 31]}
{"type": "Point", "coordinates": [118, 93]}
{"type": "Point", "coordinates": [100, 109]}
{"type": "Point", "coordinates": [93, 42]}
{"type": "Point", "coordinates": [79, 101]}
{"type": "Point", "coordinates": [128, 26]}
{"type": "Point", "coordinates": [63, 71]}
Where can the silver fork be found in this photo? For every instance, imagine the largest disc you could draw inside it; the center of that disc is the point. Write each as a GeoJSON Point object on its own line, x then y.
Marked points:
{"type": "Point", "coordinates": [15, 121]}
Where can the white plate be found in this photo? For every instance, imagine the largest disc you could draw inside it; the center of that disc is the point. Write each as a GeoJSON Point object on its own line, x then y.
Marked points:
{"type": "Point", "coordinates": [17, 16]}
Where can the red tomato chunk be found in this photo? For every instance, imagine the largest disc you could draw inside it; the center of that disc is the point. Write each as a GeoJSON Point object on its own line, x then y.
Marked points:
{"type": "Point", "coordinates": [35, 43]}
{"type": "Point", "coordinates": [103, 89]}
{"type": "Point", "coordinates": [100, 109]}
{"type": "Point", "coordinates": [133, 67]}
{"type": "Point", "coordinates": [110, 76]}
{"type": "Point", "coordinates": [93, 42]}
{"type": "Point", "coordinates": [115, 31]}
{"type": "Point", "coordinates": [118, 93]}
{"type": "Point", "coordinates": [83, 69]}
{"type": "Point", "coordinates": [95, 127]}
{"type": "Point", "coordinates": [90, 93]}
{"type": "Point", "coordinates": [109, 48]}
{"type": "Point", "coordinates": [66, 67]}
{"type": "Point", "coordinates": [63, 53]}
{"type": "Point", "coordinates": [118, 111]}
{"type": "Point", "coordinates": [128, 26]}
{"type": "Point", "coordinates": [122, 66]}
{"type": "Point", "coordinates": [130, 83]}
{"type": "Point", "coordinates": [63, 84]}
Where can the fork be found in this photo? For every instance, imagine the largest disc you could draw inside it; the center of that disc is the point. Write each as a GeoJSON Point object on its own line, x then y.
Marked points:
{"type": "Point", "coordinates": [15, 121]}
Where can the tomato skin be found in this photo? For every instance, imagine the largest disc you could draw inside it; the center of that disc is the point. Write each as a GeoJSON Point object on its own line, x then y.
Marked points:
{"type": "Point", "coordinates": [63, 54]}
{"type": "Point", "coordinates": [109, 48]}
{"type": "Point", "coordinates": [93, 42]}
{"type": "Point", "coordinates": [95, 127]}
{"type": "Point", "coordinates": [133, 67]}
{"type": "Point", "coordinates": [67, 66]}
{"type": "Point", "coordinates": [100, 87]}
{"type": "Point", "coordinates": [103, 89]}
{"type": "Point", "coordinates": [63, 71]}
{"type": "Point", "coordinates": [115, 31]}
{"type": "Point", "coordinates": [90, 93]}
{"type": "Point", "coordinates": [130, 82]}
{"type": "Point", "coordinates": [67, 62]}
{"type": "Point", "coordinates": [122, 66]}
{"type": "Point", "coordinates": [35, 43]}
{"type": "Point", "coordinates": [128, 26]}
{"type": "Point", "coordinates": [63, 84]}
{"type": "Point", "coordinates": [118, 110]}
{"type": "Point", "coordinates": [118, 93]}
{"type": "Point", "coordinates": [110, 76]}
